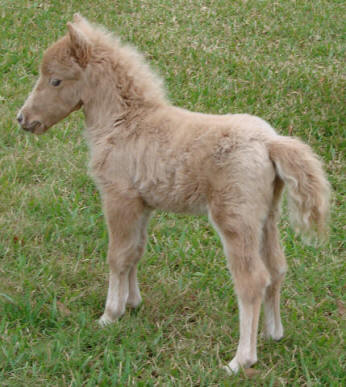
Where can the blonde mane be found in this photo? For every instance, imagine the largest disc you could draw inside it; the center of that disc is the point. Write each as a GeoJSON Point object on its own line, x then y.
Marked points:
{"type": "Point", "coordinates": [135, 79]}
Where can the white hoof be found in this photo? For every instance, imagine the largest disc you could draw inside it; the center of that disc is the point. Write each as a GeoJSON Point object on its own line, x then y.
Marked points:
{"type": "Point", "coordinates": [274, 333]}
{"type": "Point", "coordinates": [277, 336]}
{"type": "Point", "coordinates": [229, 370]}
{"type": "Point", "coordinates": [105, 320]}
{"type": "Point", "coordinates": [235, 364]}
{"type": "Point", "coordinates": [232, 367]}
{"type": "Point", "coordinates": [134, 303]}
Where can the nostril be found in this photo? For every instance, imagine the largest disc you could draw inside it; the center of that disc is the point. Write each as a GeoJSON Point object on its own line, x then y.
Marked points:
{"type": "Point", "coordinates": [20, 118]}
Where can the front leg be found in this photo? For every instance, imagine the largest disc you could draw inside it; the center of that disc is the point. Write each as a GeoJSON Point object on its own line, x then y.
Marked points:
{"type": "Point", "coordinates": [117, 295]}
{"type": "Point", "coordinates": [134, 298]}
{"type": "Point", "coordinates": [126, 217]}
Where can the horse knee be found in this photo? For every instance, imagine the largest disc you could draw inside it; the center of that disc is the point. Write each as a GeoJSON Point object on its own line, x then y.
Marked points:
{"type": "Point", "coordinates": [251, 281]}
{"type": "Point", "coordinates": [120, 259]}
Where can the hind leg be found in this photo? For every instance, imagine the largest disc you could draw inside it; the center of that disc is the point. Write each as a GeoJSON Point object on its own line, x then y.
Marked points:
{"type": "Point", "coordinates": [275, 261]}
{"type": "Point", "coordinates": [241, 243]}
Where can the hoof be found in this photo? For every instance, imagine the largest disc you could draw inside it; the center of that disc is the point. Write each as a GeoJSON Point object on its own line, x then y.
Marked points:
{"type": "Point", "coordinates": [277, 337]}
{"type": "Point", "coordinates": [233, 366]}
{"type": "Point", "coordinates": [105, 320]}
{"type": "Point", "coordinates": [229, 370]}
{"type": "Point", "coordinates": [274, 334]}
{"type": "Point", "coordinates": [273, 330]}
{"type": "Point", "coordinates": [134, 303]}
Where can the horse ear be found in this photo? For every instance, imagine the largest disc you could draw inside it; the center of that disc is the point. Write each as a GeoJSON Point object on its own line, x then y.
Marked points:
{"type": "Point", "coordinates": [80, 45]}
{"type": "Point", "coordinates": [77, 18]}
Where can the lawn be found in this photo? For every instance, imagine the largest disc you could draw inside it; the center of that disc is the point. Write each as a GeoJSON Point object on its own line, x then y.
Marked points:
{"type": "Point", "coordinates": [283, 61]}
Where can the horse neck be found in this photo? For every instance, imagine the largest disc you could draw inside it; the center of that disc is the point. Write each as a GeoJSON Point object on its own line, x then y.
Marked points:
{"type": "Point", "coordinates": [106, 102]}
{"type": "Point", "coordinates": [100, 97]}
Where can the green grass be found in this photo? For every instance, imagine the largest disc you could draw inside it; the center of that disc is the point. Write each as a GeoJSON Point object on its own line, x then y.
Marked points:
{"type": "Point", "coordinates": [283, 61]}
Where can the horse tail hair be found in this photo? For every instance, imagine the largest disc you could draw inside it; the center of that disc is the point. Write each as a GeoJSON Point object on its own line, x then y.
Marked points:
{"type": "Point", "coordinates": [308, 189]}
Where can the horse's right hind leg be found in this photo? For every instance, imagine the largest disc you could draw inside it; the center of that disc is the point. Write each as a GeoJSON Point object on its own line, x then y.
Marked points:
{"type": "Point", "coordinates": [274, 259]}
{"type": "Point", "coordinates": [275, 262]}
{"type": "Point", "coordinates": [242, 247]}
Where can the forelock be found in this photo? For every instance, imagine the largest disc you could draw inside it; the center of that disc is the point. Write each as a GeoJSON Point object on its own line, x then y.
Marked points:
{"type": "Point", "coordinates": [59, 54]}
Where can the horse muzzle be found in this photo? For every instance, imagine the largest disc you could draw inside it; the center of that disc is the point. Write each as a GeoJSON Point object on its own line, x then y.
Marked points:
{"type": "Point", "coordinates": [33, 127]}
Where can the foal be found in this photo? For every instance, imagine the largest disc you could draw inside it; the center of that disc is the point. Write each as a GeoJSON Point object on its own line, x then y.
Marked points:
{"type": "Point", "coordinates": [147, 154]}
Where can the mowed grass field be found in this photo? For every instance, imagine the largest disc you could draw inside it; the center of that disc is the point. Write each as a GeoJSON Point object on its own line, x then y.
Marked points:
{"type": "Point", "coordinates": [283, 61]}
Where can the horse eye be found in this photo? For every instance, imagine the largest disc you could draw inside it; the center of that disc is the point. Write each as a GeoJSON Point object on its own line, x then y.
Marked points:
{"type": "Point", "coordinates": [55, 82]}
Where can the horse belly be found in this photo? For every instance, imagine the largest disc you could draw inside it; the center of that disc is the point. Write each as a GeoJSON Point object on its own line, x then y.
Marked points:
{"type": "Point", "coordinates": [187, 198]}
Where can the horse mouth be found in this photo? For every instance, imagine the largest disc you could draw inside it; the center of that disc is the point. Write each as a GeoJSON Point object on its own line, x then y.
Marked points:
{"type": "Point", "coordinates": [35, 127]}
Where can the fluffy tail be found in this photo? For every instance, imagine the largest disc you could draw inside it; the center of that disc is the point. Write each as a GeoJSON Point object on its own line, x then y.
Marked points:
{"type": "Point", "coordinates": [308, 188]}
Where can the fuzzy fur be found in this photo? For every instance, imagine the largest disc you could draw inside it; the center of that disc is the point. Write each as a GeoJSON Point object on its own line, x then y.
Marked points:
{"type": "Point", "coordinates": [147, 154]}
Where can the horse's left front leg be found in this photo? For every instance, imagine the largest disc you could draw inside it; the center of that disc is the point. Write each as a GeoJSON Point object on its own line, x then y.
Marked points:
{"type": "Point", "coordinates": [126, 217]}
{"type": "Point", "coordinates": [134, 298]}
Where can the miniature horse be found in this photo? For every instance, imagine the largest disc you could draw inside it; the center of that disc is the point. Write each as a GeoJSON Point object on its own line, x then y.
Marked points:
{"type": "Point", "coordinates": [147, 154]}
